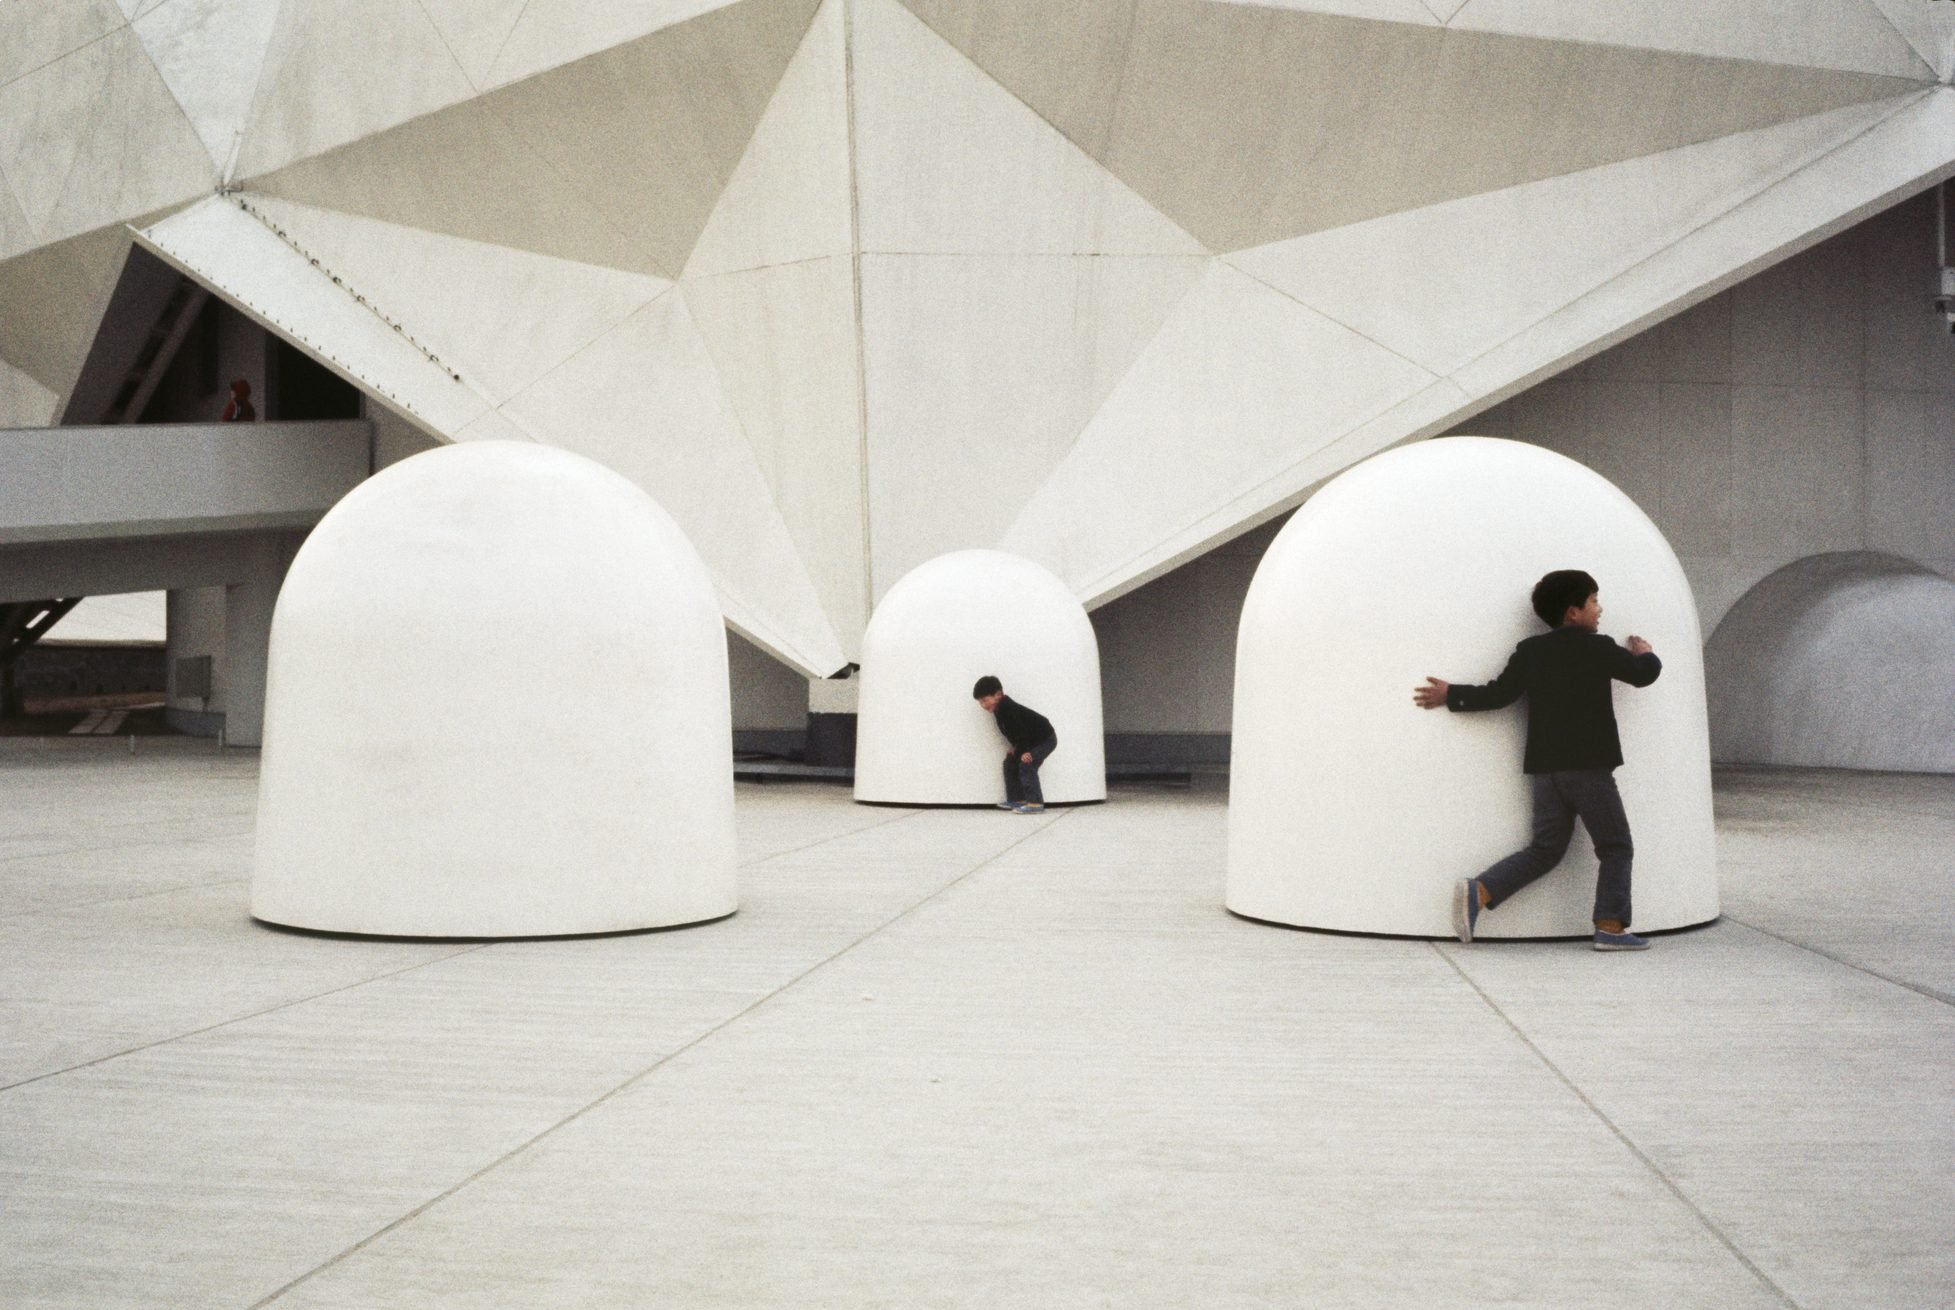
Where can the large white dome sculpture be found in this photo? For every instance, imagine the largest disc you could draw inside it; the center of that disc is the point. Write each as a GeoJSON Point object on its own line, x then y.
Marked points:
{"type": "Point", "coordinates": [1352, 809]}
{"type": "Point", "coordinates": [920, 738]}
{"type": "Point", "coordinates": [497, 706]}
{"type": "Point", "coordinates": [1840, 661]}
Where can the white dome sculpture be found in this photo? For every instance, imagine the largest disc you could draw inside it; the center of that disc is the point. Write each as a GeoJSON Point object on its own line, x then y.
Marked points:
{"type": "Point", "coordinates": [497, 707]}
{"type": "Point", "coordinates": [1837, 661]}
{"type": "Point", "coordinates": [920, 737]}
{"type": "Point", "coordinates": [1352, 809]}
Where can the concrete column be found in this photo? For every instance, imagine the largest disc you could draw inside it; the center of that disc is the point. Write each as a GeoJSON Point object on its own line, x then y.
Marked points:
{"type": "Point", "coordinates": [247, 638]}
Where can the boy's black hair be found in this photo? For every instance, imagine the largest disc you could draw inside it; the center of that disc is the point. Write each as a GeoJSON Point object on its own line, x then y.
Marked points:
{"type": "Point", "coordinates": [986, 686]}
{"type": "Point", "coordinates": [1555, 593]}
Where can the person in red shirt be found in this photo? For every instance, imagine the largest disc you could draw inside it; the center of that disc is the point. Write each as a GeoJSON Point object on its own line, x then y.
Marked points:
{"type": "Point", "coordinates": [239, 408]}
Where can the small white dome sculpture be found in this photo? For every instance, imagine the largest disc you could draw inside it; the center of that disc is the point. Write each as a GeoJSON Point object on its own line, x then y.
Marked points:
{"type": "Point", "coordinates": [496, 707]}
{"type": "Point", "coordinates": [1349, 807]}
{"type": "Point", "coordinates": [1837, 661]}
{"type": "Point", "coordinates": [920, 737]}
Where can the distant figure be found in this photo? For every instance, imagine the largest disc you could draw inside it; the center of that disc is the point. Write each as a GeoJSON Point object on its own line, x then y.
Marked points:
{"type": "Point", "coordinates": [239, 408]}
{"type": "Point", "coordinates": [1032, 739]}
{"type": "Point", "coordinates": [1572, 751]}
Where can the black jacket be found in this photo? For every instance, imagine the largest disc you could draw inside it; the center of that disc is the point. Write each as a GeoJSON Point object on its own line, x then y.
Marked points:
{"type": "Point", "coordinates": [1023, 727]}
{"type": "Point", "coordinates": [1571, 716]}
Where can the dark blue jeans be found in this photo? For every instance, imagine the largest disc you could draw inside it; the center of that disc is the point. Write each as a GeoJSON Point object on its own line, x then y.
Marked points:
{"type": "Point", "coordinates": [1559, 799]}
{"type": "Point", "coordinates": [1021, 779]}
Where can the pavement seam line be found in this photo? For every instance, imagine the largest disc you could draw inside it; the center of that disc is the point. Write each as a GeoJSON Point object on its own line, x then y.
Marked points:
{"type": "Point", "coordinates": [1628, 1142]}
{"type": "Point", "coordinates": [523, 1147]}
{"type": "Point", "coordinates": [822, 841]}
{"type": "Point", "coordinates": [1918, 988]}
{"type": "Point", "coordinates": [119, 900]}
{"type": "Point", "coordinates": [245, 1018]}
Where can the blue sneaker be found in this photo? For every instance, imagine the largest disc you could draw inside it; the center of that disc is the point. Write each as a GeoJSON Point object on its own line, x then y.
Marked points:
{"type": "Point", "coordinates": [1028, 809]}
{"type": "Point", "coordinates": [1466, 908]}
{"type": "Point", "coordinates": [1008, 805]}
{"type": "Point", "coordinates": [1620, 941]}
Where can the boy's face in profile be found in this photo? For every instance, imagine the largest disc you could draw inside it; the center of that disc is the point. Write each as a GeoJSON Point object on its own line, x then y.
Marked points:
{"type": "Point", "coordinates": [990, 702]}
{"type": "Point", "coordinates": [1588, 617]}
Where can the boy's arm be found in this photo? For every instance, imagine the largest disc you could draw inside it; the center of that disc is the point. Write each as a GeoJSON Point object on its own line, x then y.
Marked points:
{"type": "Point", "coordinates": [1502, 691]}
{"type": "Point", "coordinates": [1638, 665]}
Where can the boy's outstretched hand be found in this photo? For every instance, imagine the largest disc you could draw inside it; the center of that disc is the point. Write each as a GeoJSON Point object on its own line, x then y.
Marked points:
{"type": "Point", "coordinates": [1637, 646]}
{"type": "Point", "coordinates": [1433, 695]}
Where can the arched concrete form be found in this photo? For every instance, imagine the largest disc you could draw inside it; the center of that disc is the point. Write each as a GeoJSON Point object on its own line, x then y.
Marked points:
{"type": "Point", "coordinates": [1840, 661]}
{"type": "Point", "coordinates": [497, 707]}
{"type": "Point", "coordinates": [1352, 809]}
{"type": "Point", "coordinates": [921, 739]}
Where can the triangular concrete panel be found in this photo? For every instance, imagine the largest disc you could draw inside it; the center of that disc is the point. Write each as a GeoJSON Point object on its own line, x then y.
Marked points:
{"type": "Point", "coordinates": [1240, 387]}
{"type": "Point", "coordinates": [464, 172]}
{"type": "Point", "coordinates": [784, 341]}
{"type": "Point", "coordinates": [1444, 10]}
{"type": "Point", "coordinates": [789, 197]}
{"type": "Point", "coordinates": [1384, 11]}
{"type": "Point", "coordinates": [32, 36]}
{"type": "Point", "coordinates": [1850, 35]}
{"type": "Point", "coordinates": [16, 233]}
{"type": "Point", "coordinates": [38, 138]}
{"type": "Point", "coordinates": [1912, 148]}
{"type": "Point", "coordinates": [54, 297]}
{"type": "Point", "coordinates": [551, 33]}
{"type": "Point", "coordinates": [500, 317]}
{"type": "Point", "coordinates": [648, 133]}
{"type": "Point", "coordinates": [343, 71]}
{"type": "Point", "coordinates": [645, 399]}
{"type": "Point", "coordinates": [476, 31]}
{"type": "Point", "coordinates": [141, 153]}
{"type": "Point", "coordinates": [980, 371]}
{"type": "Point", "coordinates": [244, 260]}
{"type": "Point", "coordinates": [948, 161]}
{"type": "Point", "coordinates": [1248, 125]}
{"type": "Point", "coordinates": [1444, 284]}
{"type": "Point", "coordinates": [1929, 28]}
{"type": "Point", "coordinates": [210, 56]}
{"type": "Point", "coordinates": [24, 403]}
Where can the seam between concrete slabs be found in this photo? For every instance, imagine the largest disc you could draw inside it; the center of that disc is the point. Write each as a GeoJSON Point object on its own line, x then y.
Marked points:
{"type": "Point", "coordinates": [1624, 1138]}
{"type": "Point", "coordinates": [1929, 992]}
{"type": "Point", "coordinates": [245, 1018]}
{"type": "Point", "coordinates": [656, 1065]}
{"type": "Point", "coordinates": [119, 900]}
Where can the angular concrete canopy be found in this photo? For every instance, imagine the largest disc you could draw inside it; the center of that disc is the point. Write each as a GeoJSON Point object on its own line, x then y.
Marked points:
{"type": "Point", "coordinates": [920, 737]}
{"type": "Point", "coordinates": [497, 673]}
{"type": "Point", "coordinates": [1350, 808]}
{"type": "Point", "coordinates": [953, 275]}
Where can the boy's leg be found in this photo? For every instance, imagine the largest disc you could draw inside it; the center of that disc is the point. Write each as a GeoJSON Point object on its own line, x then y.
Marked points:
{"type": "Point", "coordinates": [1597, 800]}
{"type": "Point", "coordinates": [1554, 824]}
{"type": "Point", "coordinates": [1029, 773]}
{"type": "Point", "coordinates": [1014, 785]}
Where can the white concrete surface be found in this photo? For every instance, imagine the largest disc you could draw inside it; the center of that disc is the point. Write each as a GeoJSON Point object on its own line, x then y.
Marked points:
{"type": "Point", "coordinates": [921, 739]}
{"type": "Point", "coordinates": [501, 317]}
{"type": "Point", "coordinates": [645, 399]}
{"type": "Point", "coordinates": [497, 679]}
{"type": "Point", "coordinates": [791, 197]}
{"type": "Point", "coordinates": [958, 1058]}
{"type": "Point", "coordinates": [950, 162]}
{"type": "Point", "coordinates": [154, 480]}
{"type": "Point", "coordinates": [1840, 660]}
{"type": "Point", "coordinates": [1351, 808]}
{"type": "Point", "coordinates": [334, 73]}
{"type": "Point", "coordinates": [240, 258]}
{"type": "Point", "coordinates": [1808, 33]}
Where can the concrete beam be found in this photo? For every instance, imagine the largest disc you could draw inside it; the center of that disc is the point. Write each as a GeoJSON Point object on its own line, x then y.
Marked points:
{"type": "Point", "coordinates": [111, 566]}
{"type": "Point", "coordinates": [95, 484]}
